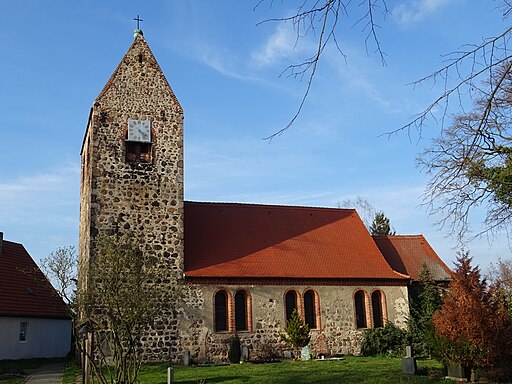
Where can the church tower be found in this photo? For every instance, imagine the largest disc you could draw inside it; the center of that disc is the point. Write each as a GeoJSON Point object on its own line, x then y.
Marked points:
{"type": "Point", "coordinates": [132, 169]}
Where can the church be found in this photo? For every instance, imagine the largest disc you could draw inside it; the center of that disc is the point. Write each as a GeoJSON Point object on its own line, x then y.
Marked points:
{"type": "Point", "coordinates": [245, 267]}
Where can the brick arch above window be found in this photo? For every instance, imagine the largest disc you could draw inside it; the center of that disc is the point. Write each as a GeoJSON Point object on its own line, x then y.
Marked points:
{"type": "Point", "coordinates": [242, 310]}
{"type": "Point", "coordinates": [311, 301]}
{"type": "Point", "coordinates": [379, 308]}
{"type": "Point", "coordinates": [362, 309]}
{"type": "Point", "coordinates": [292, 300]}
{"type": "Point", "coordinates": [222, 303]}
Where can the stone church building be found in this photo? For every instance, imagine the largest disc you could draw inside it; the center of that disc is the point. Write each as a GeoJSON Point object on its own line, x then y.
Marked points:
{"type": "Point", "coordinates": [245, 267]}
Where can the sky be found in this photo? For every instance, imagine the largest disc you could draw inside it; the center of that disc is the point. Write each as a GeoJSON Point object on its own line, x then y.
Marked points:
{"type": "Point", "coordinates": [223, 64]}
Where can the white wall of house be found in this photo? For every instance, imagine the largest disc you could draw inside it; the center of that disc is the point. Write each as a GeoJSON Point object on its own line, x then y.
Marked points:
{"type": "Point", "coordinates": [43, 338]}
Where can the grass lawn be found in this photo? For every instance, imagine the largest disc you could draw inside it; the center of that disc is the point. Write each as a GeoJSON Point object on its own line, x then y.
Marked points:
{"type": "Point", "coordinates": [361, 370]}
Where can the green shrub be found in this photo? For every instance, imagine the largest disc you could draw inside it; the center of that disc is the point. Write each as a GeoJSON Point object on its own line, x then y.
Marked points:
{"type": "Point", "coordinates": [235, 351]}
{"type": "Point", "coordinates": [389, 340]}
{"type": "Point", "coordinates": [297, 333]}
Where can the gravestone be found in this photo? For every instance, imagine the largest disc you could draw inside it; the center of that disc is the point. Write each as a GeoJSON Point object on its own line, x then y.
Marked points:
{"type": "Point", "coordinates": [458, 372]}
{"type": "Point", "coordinates": [186, 358]}
{"type": "Point", "coordinates": [245, 353]}
{"type": "Point", "coordinates": [305, 353]}
{"type": "Point", "coordinates": [409, 362]}
{"type": "Point", "coordinates": [287, 354]}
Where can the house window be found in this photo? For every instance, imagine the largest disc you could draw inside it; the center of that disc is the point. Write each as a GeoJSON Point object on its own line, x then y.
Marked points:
{"type": "Point", "coordinates": [291, 303]}
{"type": "Point", "coordinates": [310, 309]}
{"type": "Point", "coordinates": [360, 306]}
{"type": "Point", "coordinates": [221, 311]}
{"type": "Point", "coordinates": [241, 311]}
{"type": "Point", "coordinates": [23, 331]}
{"type": "Point", "coordinates": [377, 309]}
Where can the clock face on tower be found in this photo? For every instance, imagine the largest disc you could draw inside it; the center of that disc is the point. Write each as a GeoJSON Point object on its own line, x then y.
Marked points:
{"type": "Point", "coordinates": [139, 130]}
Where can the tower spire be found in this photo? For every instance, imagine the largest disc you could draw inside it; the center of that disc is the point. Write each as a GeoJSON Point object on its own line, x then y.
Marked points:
{"type": "Point", "coordinates": [138, 31]}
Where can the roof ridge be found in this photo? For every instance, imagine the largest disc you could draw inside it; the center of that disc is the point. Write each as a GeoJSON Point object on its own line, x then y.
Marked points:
{"type": "Point", "coordinates": [260, 205]}
{"type": "Point", "coordinates": [388, 236]}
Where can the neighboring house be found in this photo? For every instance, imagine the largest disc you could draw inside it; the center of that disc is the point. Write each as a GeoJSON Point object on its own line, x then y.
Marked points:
{"type": "Point", "coordinates": [34, 322]}
{"type": "Point", "coordinates": [245, 266]}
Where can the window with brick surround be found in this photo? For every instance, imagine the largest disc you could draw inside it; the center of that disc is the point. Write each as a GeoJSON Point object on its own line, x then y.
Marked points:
{"type": "Point", "coordinates": [378, 308]}
{"type": "Point", "coordinates": [290, 303]}
{"type": "Point", "coordinates": [311, 310]}
{"type": "Point", "coordinates": [138, 141]}
{"type": "Point", "coordinates": [242, 311]}
{"type": "Point", "coordinates": [360, 309]}
{"type": "Point", "coordinates": [221, 311]}
{"type": "Point", "coordinates": [138, 152]}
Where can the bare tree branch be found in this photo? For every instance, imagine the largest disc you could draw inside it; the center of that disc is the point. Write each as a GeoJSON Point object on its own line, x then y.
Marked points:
{"type": "Point", "coordinates": [321, 19]}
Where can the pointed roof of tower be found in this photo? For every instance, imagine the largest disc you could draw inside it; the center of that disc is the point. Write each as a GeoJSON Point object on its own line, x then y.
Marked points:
{"type": "Point", "coordinates": [138, 76]}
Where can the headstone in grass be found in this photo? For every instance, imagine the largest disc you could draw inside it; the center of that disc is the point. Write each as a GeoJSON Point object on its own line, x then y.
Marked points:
{"type": "Point", "coordinates": [305, 353]}
{"type": "Point", "coordinates": [245, 353]}
{"type": "Point", "coordinates": [409, 362]}
{"type": "Point", "coordinates": [186, 358]}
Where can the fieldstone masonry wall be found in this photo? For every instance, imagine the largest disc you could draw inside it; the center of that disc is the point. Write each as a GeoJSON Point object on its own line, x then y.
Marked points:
{"type": "Point", "coordinates": [336, 335]}
{"type": "Point", "coordinates": [143, 199]}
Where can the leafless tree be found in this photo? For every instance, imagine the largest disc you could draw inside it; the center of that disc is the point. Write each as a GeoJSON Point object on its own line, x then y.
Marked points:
{"type": "Point", "coordinates": [60, 268]}
{"type": "Point", "coordinates": [470, 163]}
{"type": "Point", "coordinates": [363, 207]}
{"type": "Point", "coordinates": [124, 295]}
{"type": "Point", "coordinates": [321, 19]}
{"type": "Point", "coordinates": [500, 275]}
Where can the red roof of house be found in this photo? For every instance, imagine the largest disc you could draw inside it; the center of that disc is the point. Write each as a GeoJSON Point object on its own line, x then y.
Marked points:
{"type": "Point", "coordinates": [265, 241]}
{"type": "Point", "coordinates": [24, 290]}
{"type": "Point", "coordinates": [407, 254]}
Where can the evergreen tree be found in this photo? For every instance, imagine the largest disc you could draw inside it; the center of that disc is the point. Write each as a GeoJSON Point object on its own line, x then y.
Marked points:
{"type": "Point", "coordinates": [425, 302]}
{"type": "Point", "coordinates": [472, 327]}
{"type": "Point", "coordinates": [297, 332]}
{"type": "Point", "coordinates": [380, 225]}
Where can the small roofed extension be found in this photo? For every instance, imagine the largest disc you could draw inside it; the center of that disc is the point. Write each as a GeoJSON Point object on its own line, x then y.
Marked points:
{"type": "Point", "coordinates": [34, 321]}
{"type": "Point", "coordinates": [408, 254]}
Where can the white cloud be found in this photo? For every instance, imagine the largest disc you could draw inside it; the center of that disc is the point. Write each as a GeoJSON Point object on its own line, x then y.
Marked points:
{"type": "Point", "coordinates": [280, 45]}
{"type": "Point", "coordinates": [224, 63]}
{"type": "Point", "coordinates": [40, 198]}
{"type": "Point", "coordinates": [413, 11]}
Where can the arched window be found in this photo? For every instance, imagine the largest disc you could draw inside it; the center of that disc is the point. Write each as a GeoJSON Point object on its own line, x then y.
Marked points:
{"type": "Point", "coordinates": [291, 303]}
{"type": "Point", "coordinates": [360, 304]}
{"type": "Point", "coordinates": [310, 309]}
{"type": "Point", "coordinates": [221, 311]}
{"type": "Point", "coordinates": [241, 311]}
{"type": "Point", "coordinates": [377, 309]}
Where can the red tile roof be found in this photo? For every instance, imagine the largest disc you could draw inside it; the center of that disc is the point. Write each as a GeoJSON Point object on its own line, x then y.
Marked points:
{"type": "Point", "coordinates": [24, 290]}
{"type": "Point", "coordinates": [262, 241]}
{"type": "Point", "coordinates": [407, 254]}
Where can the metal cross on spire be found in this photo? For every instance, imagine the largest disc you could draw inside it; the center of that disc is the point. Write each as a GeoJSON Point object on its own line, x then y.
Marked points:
{"type": "Point", "coordinates": [138, 20]}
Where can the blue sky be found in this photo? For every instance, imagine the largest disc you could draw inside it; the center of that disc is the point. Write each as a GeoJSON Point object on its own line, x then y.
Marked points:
{"type": "Point", "coordinates": [224, 68]}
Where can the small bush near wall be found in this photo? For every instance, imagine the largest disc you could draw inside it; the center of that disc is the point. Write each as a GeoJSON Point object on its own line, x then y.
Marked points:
{"type": "Point", "coordinates": [389, 340]}
{"type": "Point", "coordinates": [234, 352]}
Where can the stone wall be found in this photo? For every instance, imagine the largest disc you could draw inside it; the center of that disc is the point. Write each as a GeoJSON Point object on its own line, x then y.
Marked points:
{"type": "Point", "coordinates": [142, 199]}
{"type": "Point", "coordinates": [336, 334]}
